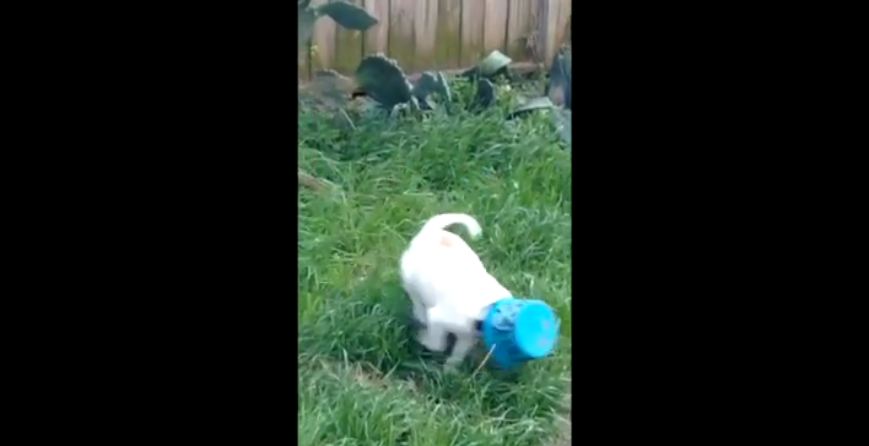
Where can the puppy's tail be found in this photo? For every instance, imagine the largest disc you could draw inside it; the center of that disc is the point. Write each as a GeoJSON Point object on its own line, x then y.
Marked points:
{"type": "Point", "coordinates": [443, 220]}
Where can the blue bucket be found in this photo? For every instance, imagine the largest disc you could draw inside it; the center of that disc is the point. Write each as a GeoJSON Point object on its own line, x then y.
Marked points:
{"type": "Point", "coordinates": [520, 330]}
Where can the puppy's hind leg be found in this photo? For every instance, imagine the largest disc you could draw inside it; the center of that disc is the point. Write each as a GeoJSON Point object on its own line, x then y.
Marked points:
{"type": "Point", "coordinates": [461, 348]}
{"type": "Point", "coordinates": [433, 337]}
{"type": "Point", "coordinates": [419, 313]}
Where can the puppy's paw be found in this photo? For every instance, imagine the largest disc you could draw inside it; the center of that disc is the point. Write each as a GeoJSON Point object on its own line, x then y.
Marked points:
{"type": "Point", "coordinates": [452, 364]}
{"type": "Point", "coordinates": [433, 343]}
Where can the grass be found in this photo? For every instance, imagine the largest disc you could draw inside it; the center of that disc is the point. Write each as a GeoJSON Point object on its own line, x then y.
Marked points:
{"type": "Point", "coordinates": [362, 380]}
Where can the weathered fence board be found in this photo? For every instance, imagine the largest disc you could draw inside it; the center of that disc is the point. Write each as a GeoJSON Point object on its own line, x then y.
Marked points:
{"type": "Point", "coordinates": [401, 39]}
{"type": "Point", "coordinates": [323, 43]}
{"type": "Point", "coordinates": [473, 23]}
{"type": "Point", "coordinates": [449, 40]}
{"type": "Point", "coordinates": [562, 22]}
{"type": "Point", "coordinates": [519, 28]}
{"type": "Point", "coordinates": [547, 23]}
{"type": "Point", "coordinates": [441, 34]}
{"type": "Point", "coordinates": [377, 37]}
{"type": "Point", "coordinates": [424, 33]}
{"type": "Point", "coordinates": [495, 25]}
{"type": "Point", "coordinates": [303, 62]}
{"type": "Point", "coordinates": [348, 46]}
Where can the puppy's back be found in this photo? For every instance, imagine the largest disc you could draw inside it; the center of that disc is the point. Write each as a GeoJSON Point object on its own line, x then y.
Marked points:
{"type": "Point", "coordinates": [438, 265]}
{"type": "Point", "coordinates": [433, 244]}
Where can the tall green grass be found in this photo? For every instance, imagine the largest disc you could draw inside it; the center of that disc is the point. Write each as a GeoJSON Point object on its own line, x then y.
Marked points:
{"type": "Point", "coordinates": [362, 379]}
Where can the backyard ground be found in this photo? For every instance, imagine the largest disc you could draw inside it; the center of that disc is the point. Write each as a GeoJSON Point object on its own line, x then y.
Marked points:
{"type": "Point", "coordinates": [362, 380]}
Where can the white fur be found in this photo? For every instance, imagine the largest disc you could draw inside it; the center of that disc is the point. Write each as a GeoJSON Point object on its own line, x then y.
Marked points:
{"type": "Point", "coordinates": [448, 285]}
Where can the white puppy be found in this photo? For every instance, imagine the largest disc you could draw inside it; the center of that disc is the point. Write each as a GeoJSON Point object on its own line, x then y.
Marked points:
{"type": "Point", "coordinates": [449, 286]}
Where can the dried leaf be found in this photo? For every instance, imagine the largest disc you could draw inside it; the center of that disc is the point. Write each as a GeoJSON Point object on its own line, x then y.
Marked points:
{"type": "Point", "coordinates": [425, 85]}
{"type": "Point", "coordinates": [446, 86]}
{"type": "Point", "coordinates": [348, 15]}
{"type": "Point", "coordinates": [562, 119]}
{"type": "Point", "coordinates": [383, 80]}
{"type": "Point", "coordinates": [430, 83]}
{"type": "Point", "coordinates": [493, 63]}
{"type": "Point", "coordinates": [559, 86]}
{"type": "Point", "coordinates": [541, 103]}
{"type": "Point", "coordinates": [485, 94]}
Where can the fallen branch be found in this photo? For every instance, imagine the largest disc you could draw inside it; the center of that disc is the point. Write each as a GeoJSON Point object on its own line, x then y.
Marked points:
{"type": "Point", "coordinates": [306, 179]}
{"type": "Point", "coordinates": [348, 84]}
{"type": "Point", "coordinates": [520, 68]}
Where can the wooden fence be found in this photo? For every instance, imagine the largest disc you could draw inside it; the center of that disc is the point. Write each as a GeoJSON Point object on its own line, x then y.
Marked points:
{"type": "Point", "coordinates": [441, 34]}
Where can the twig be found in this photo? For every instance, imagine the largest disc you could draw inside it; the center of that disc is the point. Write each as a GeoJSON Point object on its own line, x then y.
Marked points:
{"type": "Point", "coordinates": [521, 68]}
{"type": "Point", "coordinates": [485, 360]}
{"type": "Point", "coordinates": [311, 181]}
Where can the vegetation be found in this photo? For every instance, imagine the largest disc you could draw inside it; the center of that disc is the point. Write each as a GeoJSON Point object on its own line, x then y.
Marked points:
{"type": "Point", "coordinates": [362, 379]}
